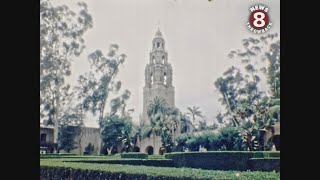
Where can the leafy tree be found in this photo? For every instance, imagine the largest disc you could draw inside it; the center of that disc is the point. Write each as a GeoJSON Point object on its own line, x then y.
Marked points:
{"type": "Point", "coordinates": [61, 38]}
{"type": "Point", "coordinates": [192, 144]}
{"type": "Point", "coordinates": [96, 85]}
{"type": "Point", "coordinates": [101, 80]}
{"type": "Point", "coordinates": [247, 106]}
{"type": "Point", "coordinates": [230, 139]}
{"type": "Point", "coordinates": [120, 122]}
{"type": "Point", "coordinates": [71, 121]}
{"type": "Point", "coordinates": [115, 131]}
{"type": "Point", "coordinates": [67, 138]}
{"type": "Point", "coordinates": [181, 142]}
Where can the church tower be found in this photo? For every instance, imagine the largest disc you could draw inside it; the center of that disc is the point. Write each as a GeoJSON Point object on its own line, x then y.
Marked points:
{"type": "Point", "coordinates": [158, 76]}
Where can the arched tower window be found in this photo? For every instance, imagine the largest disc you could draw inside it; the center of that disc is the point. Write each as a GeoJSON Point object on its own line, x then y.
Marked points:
{"type": "Point", "coordinates": [165, 79]}
{"type": "Point", "coordinates": [153, 59]}
{"type": "Point", "coordinates": [158, 45]}
{"type": "Point", "coordinates": [162, 59]}
{"type": "Point", "coordinates": [151, 76]}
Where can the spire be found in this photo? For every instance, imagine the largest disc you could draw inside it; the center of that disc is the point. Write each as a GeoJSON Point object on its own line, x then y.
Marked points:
{"type": "Point", "coordinates": [158, 33]}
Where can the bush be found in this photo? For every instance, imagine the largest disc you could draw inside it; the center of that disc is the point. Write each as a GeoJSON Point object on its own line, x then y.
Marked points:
{"type": "Point", "coordinates": [264, 164]}
{"type": "Point", "coordinates": [54, 170]}
{"type": "Point", "coordinates": [136, 162]}
{"type": "Point", "coordinates": [134, 155]}
{"type": "Point", "coordinates": [57, 155]}
{"type": "Point", "coordinates": [217, 160]}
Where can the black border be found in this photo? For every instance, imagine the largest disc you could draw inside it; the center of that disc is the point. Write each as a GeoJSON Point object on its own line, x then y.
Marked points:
{"type": "Point", "coordinates": [20, 86]}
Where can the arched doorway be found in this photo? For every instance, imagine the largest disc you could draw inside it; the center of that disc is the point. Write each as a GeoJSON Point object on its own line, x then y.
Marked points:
{"type": "Point", "coordinates": [161, 151]}
{"type": "Point", "coordinates": [136, 149]}
{"type": "Point", "coordinates": [149, 150]}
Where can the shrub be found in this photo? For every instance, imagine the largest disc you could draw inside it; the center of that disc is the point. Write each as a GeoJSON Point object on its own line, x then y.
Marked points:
{"type": "Point", "coordinates": [136, 162]}
{"type": "Point", "coordinates": [57, 155]}
{"type": "Point", "coordinates": [217, 160]}
{"type": "Point", "coordinates": [134, 155]}
{"type": "Point", "coordinates": [264, 164]}
{"type": "Point", "coordinates": [54, 170]}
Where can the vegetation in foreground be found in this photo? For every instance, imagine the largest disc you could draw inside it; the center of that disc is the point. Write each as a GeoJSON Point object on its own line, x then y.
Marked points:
{"type": "Point", "coordinates": [57, 169]}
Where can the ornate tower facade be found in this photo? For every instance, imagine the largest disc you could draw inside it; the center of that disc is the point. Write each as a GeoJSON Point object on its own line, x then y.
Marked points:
{"type": "Point", "coordinates": [158, 76]}
{"type": "Point", "coordinates": [158, 83]}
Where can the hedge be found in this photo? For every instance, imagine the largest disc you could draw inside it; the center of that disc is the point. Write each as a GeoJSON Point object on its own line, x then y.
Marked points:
{"type": "Point", "coordinates": [58, 155]}
{"type": "Point", "coordinates": [264, 164]}
{"type": "Point", "coordinates": [217, 160]}
{"type": "Point", "coordinates": [137, 162]}
{"type": "Point", "coordinates": [134, 155]}
{"type": "Point", "coordinates": [54, 170]}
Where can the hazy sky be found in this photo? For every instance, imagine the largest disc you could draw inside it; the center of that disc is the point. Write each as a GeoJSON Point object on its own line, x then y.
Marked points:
{"type": "Point", "coordinates": [198, 34]}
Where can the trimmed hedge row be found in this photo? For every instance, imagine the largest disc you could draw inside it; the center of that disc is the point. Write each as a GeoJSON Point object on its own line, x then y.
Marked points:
{"type": "Point", "coordinates": [134, 155]}
{"type": "Point", "coordinates": [218, 160]}
{"type": "Point", "coordinates": [57, 155]}
{"type": "Point", "coordinates": [264, 164]}
{"type": "Point", "coordinates": [55, 170]}
{"type": "Point", "coordinates": [136, 162]}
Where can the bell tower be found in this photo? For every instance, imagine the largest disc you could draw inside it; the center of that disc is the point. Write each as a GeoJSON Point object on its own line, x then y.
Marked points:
{"type": "Point", "coordinates": [158, 76]}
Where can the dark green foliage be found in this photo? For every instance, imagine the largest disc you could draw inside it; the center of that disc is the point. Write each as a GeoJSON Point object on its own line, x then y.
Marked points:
{"type": "Point", "coordinates": [89, 149]}
{"type": "Point", "coordinates": [230, 139]}
{"type": "Point", "coordinates": [264, 164]}
{"type": "Point", "coordinates": [135, 162]}
{"type": "Point", "coordinates": [67, 139]}
{"type": "Point", "coordinates": [227, 138]}
{"type": "Point", "coordinates": [115, 129]}
{"type": "Point", "coordinates": [216, 160]}
{"type": "Point", "coordinates": [134, 155]}
{"type": "Point", "coordinates": [54, 170]}
{"type": "Point", "coordinates": [64, 155]}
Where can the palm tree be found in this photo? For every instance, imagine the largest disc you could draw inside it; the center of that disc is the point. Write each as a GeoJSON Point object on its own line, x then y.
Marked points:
{"type": "Point", "coordinates": [194, 111]}
{"type": "Point", "coordinates": [185, 123]}
{"type": "Point", "coordinates": [156, 111]}
{"type": "Point", "coordinates": [172, 121]}
{"type": "Point", "coordinates": [157, 106]}
{"type": "Point", "coordinates": [152, 129]}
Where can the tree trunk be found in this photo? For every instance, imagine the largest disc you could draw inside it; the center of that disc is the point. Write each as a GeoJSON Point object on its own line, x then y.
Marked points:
{"type": "Point", "coordinates": [154, 142]}
{"type": "Point", "coordinates": [80, 139]}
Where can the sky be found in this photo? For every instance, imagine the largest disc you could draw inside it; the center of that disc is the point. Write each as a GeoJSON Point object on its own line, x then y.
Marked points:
{"type": "Point", "coordinates": [199, 34]}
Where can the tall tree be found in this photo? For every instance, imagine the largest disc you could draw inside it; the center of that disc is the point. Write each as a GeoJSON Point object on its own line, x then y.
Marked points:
{"type": "Point", "coordinates": [61, 38]}
{"type": "Point", "coordinates": [247, 105]}
{"type": "Point", "coordinates": [185, 123]}
{"type": "Point", "coordinates": [157, 110]}
{"type": "Point", "coordinates": [170, 125]}
{"type": "Point", "coordinates": [194, 112]}
{"type": "Point", "coordinates": [100, 81]}
{"type": "Point", "coordinates": [153, 129]}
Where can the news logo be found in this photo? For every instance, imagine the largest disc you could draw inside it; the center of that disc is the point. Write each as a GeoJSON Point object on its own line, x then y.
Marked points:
{"type": "Point", "coordinates": [259, 21]}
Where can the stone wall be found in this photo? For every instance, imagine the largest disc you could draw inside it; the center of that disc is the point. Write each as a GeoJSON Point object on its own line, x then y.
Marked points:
{"type": "Point", "coordinates": [149, 142]}
{"type": "Point", "coordinates": [89, 135]}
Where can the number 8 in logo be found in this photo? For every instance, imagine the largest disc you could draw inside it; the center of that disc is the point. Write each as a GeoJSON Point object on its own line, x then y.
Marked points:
{"type": "Point", "coordinates": [259, 19]}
